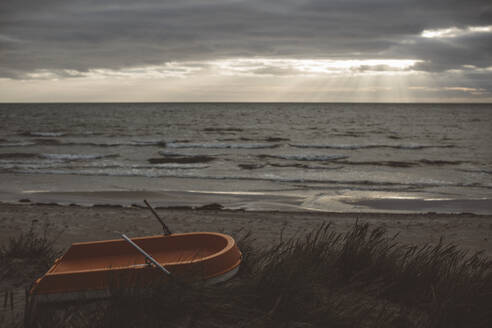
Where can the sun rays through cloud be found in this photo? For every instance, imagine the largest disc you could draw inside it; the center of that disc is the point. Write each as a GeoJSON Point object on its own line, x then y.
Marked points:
{"type": "Point", "coordinates": [238, 79]}
{"type": "Point", "coordinates": [248, 50]}
{"type": "Point", "coordinates": [248, 79]}
{"type": "Point", "coordinates": [453, 32]}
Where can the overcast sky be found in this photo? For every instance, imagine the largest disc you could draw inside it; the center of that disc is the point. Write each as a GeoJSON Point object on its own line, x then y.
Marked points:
{"type": "Point", "coordinates": [245, 50]}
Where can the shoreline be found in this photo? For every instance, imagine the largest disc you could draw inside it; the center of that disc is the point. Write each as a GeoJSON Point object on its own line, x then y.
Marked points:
{"type": "Point", "coordinates": [379, 210]}
{"type": "Point", "coordinates": [254, 201]}
{"type": "Point", "coordinates": [240, 194]}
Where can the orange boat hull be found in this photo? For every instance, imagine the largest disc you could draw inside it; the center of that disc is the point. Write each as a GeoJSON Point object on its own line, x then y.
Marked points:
{"type": "Point", "coordinates": [101, 265]}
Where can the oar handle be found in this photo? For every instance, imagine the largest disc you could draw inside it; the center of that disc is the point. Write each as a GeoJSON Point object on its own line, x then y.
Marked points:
{"type": "Point", "coordinates": [164, 226]}
{"type": "Point", "coordinates": [147, 256]}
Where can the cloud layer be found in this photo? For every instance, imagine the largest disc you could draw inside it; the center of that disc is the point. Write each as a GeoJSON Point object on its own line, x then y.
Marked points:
{"type": "Point", "coordinates": [75, 37]}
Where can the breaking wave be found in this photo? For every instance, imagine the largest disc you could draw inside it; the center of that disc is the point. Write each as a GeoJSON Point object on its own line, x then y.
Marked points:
{"type": "Point", "coordinates": [17, 144]}
{"type": "Point", "coordinates": [76, 157]}
{"type": "Point", "coordinates": [222, 145]}
{"type": "Point", "coordinates": [306, 157]}
{"type": "Point", "coordinates": [35, 167]}
{"type": "Point", "coordinates": [403, 164]}
{"type": "Point", "coordinates": [368, 146]}
{"type": "Point", "coordinates": [481, 171]}
{"type": "Point", "coordinates": [57, 142]}
{"type": "Point", "coordinates": [179, 171]}
{"type": "Point", "coordinates": [42, 134]}
{"type": "Point", "coordinates": [134, 143]}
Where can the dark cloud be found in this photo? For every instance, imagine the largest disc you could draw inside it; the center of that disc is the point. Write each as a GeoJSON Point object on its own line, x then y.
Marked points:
{"type": "Point", "coordinates": [276, 71]}
{"type": "Point", "coordinates": [80, 35]}
{"type": "Point", "coordinates": [450, 53]}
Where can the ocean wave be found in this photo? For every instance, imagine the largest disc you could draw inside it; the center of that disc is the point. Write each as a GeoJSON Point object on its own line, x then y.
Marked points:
{"type": "Point", "coordinates": [170, 153]}
{"type": "Point", "coordinates": [32, 167]}
{"type": "Point", "coordinates": [481, 171]}
{"type": "Point", "coordinates": [369, 146]}
{"type": "Point", "coordinates": [306, 157]}
{"type": "Point", "coordinates": [42, 134]}
{"type": "Point", "coordinates": [17, 144]}
{"type": "Point", "coordinates": [265, 139]}
{"type": "Point", "coordinates": [185, 166]}
{"type": "Point", "coordinates": [57, 142]}
{"type": "Point", "coordinates": [438, 162]}
{"type": "Point", "coordinates": [257, 166]}
{"type": "Point", "coordinates": [323, 146]}
{"type": "Point", "coordinates": [134, 143]}
{"type": "Point", "coordinates": [35, 167]}
{"type": "Point", "coordinates": [47, 142]}
{"type": "Point", "coordinates": [181, 159]}
{"type": "Point", "coordinates": [221, 130]}
{"type": "Point", "coordinates": [18, 155]}
{"type": "Point", "coordinates": [176, 172]}
{"type": "Point", "coordinates": [306, 166]}
{"type": "Point", "coordinates": [222, 145]}
{"type": "Point", "coordinates": [76, 157]}
{"type": "Point", "coordinates": [146, 143]}
{"type": "Point", "coordinates": [403, 164]}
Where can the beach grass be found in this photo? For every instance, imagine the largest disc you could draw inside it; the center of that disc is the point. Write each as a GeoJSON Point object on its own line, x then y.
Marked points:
{"type": "Point", "coordinates": [361, 278]}
{"type": "Point", "coordinates": [27, 255]}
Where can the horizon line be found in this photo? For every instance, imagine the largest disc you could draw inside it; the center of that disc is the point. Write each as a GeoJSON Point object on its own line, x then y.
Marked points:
{"type": "Point", "coordinates": [248, 102]}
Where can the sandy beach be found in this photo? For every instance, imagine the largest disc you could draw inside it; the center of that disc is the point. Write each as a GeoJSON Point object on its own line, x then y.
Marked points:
{"type": "Point", "coordinates": [75, 224]}
{"type": "Point", "coordinates": [69, 224]}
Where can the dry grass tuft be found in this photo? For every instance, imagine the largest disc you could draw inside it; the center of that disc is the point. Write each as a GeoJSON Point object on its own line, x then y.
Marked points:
{"type": "Point", "coordinates": [27, 255]}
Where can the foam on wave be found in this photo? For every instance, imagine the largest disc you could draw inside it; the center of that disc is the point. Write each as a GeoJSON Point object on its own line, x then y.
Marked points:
{"type": "Point", "coordinates": [214, 145]}
{"type": "Point", "coordinates": [134, 143]}
{"type": "Point", "coordinates": [31, 167]}
{"type": "Point", "coordinates": [50, 141]}
{"type": "Point", "coordinates": [76, 157]}
{"type": "Point", "coordinates": [42, 134]}
{"type": "Point", "coordinates": [17, 144]}
{"type": "Point", "coordinates": [368, 146]}
{"type": "Point", "coordinates": [176, 173]}
{"type": "Point", "coordinates": [306, 157]}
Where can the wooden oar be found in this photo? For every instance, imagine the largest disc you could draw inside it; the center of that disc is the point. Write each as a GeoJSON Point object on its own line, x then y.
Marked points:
{"type": "Point", "coordinates": [147, 256]}
{"type": "Point", "coordinates": [164, 226]}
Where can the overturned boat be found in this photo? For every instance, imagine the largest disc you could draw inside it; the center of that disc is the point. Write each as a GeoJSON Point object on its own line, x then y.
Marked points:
{"type": "Point", "coordinates": [92, 269]}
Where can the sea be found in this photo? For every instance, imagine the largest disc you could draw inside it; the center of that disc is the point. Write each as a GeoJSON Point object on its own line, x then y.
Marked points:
{"type": "Point", "coordinates": [336, 157]}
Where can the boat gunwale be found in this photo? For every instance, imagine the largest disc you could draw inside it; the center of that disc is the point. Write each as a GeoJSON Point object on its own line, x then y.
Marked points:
{"type": "Point", "coordinates": [105, 290]}
{"type": "Point", "coordinates": [230, 244]}
{"type": "Point", "coordinates": [215, 275]}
